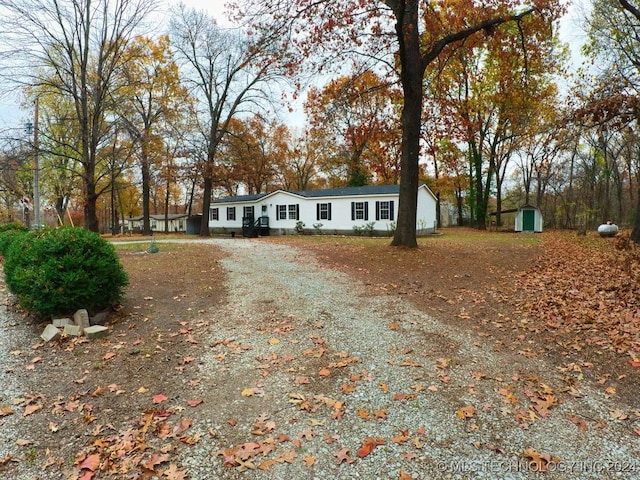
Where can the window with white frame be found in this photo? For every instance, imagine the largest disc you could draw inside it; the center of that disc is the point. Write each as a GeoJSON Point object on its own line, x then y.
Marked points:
{"type": "Point", "coordinates": [293, 211]}
{"type": "Point", "coordinates": [247, 212]}
{"type": "Point", "coordinates": [323, 211]}
{"type": "Point", "coordinates": [384, 210]}
{"type": "Point", "coordinates": [214, 214]}
{"type": "Point", "coordinates": [231, 213]}
{"type": "Point", "coordinates": [359, 211]}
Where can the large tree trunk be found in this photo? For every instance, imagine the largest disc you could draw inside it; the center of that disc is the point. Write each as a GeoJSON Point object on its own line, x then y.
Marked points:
{"type": "Point", "coordinates": [146, 195]}
{"type": "Point", "coordinates": [90, 198]}
{"type": "Point", "coordinates": [411, 76]}
{"type": "Point", "coordinates": [206, 204]}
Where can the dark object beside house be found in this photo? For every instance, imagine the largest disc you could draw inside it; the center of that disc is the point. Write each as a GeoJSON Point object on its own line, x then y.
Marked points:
{"type": "Point", "coordinates": [253, 228]}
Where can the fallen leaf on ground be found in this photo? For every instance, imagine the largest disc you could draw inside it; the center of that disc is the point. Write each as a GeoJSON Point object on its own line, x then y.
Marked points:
{"type": "Point", "coordinates": [159, 398]}
{"type": "Point", "coordinates": [363, 414]}
{"type": "Point", "coordinates": [619, 414]}
{"type": "Point", "coordinates": [5, 410]}
{"type": "Point", "coordinates": [342, 456]}
{"type": "Point", "coordinates": [582, 425]}
{"type": "Point", "coordinates": [172, 473]}
{"type": "Point", "coordinates": [98, 391]}
{"type": "Point", "coordinates": [466, 412]}
{"type": "Point", "coordinates": [29, 409]}
{"type": "Point", "coordinates": [380, 414]}
{"type": "Point", "coordinates": [92, 463]}
{"type": "Point", "coordinates": [348, 388]}
{"type": "Point", "coordinates": [539, 461]}
{"type": "Point", "coordinates": [368, 444]}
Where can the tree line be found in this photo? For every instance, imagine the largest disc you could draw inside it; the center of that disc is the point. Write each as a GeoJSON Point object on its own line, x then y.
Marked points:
{"type": "Point", "coordinates": [476, 102]}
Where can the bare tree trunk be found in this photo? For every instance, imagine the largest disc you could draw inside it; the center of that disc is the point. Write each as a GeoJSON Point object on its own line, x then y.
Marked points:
{"type": "Point", "coordinates": [206, 205]}
{"type": "Point", "coordinates": [411, 76]}
{"type": "Point", "coordinates": [146, 194]}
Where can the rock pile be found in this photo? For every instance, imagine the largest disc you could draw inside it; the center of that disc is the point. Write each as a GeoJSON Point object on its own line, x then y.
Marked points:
{"type": "Point", "coordinates": [80, 324]}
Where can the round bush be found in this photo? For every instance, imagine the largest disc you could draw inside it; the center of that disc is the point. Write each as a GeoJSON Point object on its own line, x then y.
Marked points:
{"type": "Point", "coordinates": [13, 226]}
{"type": "Point", "coordinates": [8, 233]}
{"type": "Point", "coordinates": [58, 271]}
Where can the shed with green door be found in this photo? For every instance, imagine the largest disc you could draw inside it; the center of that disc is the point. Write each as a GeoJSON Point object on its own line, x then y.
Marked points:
{"type": "Point", "coordinates": [529, 219]}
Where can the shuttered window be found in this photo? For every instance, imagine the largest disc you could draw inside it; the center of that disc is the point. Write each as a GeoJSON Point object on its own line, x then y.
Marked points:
{"type": "Point", "coordinates": [384, 210]}
{"type": "Point", "coordinates": [323, 211]}
{"type": "Point", "coordinates": [291, 212]}
{"type": "Point", "coordinates": [294, 212]}
{"type": "Point", "coordinates": [248, 212]}
{"type": "Point", "coordinates": [359, 211]}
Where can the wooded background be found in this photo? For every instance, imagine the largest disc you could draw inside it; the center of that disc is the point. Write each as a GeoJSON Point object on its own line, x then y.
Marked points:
{"type": "Point", "coordinates": [133, 119]}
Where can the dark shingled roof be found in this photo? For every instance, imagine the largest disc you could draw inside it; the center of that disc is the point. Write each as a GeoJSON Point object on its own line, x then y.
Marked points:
{"type": "Point", "coordinates": [346, 191]}
{"type": "Point", "coordinates": [330, 192]}
{"type": "Point", "coordinates": [241, 198]}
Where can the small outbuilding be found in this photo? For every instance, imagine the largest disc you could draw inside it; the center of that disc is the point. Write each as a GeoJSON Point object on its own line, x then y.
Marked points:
{"type": "Point", "coordinates": [528, 219]}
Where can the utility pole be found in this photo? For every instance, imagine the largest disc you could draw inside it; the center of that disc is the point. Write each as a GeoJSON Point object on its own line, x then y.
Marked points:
{"type": "Point", "coordinates": [36, 172]}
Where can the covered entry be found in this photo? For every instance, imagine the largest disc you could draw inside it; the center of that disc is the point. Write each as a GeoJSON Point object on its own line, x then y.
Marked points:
{"type": "Point", "coordinates": [528, 219]}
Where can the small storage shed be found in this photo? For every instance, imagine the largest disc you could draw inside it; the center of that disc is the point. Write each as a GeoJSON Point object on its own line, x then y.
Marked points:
{"type": "Point", "coordinates": [528, 219]}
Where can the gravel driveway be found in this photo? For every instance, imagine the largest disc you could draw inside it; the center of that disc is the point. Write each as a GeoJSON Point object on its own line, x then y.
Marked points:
{"type": "Point", "coordinates": [309, 367]}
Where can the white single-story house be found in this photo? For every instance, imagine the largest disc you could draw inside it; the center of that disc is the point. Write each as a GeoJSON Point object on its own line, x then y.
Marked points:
{"type": "Point", "coordinates": [371, 209]}
{"type": "Point", "coordinates": [177, 222]}
{"type": "Point", "coordinates": [528, 219]}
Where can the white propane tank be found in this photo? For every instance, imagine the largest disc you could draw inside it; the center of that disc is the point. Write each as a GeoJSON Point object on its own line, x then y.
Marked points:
{"type": "Point", "coordinates": [608, 230]}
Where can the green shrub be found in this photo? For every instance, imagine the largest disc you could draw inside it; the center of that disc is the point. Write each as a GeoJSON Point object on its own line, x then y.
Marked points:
{"type": "Point", "coordinates": [58, 271]}
{"type": "Point", "coordinates": [13, 226]}
{"type": "Point", "coordinates": [8, 233]}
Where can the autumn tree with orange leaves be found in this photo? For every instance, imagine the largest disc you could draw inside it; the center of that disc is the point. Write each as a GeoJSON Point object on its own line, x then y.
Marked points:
{"type": "Point", "coordinates": [255, 149]}
{"type": "Point", "coordinates": [355, 114]}
{"type": "Point", "coordinates": [401, 37]}
{"type": "Point", "coordinates": [151, 102]}
{"type": "Point", "coordinates": [495, 93]}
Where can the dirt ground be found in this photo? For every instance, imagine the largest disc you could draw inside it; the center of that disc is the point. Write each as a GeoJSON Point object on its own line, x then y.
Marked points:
{"type": "Point", "coordinates": [497, 283]}
{"type": "Point", "coordinates": [472, 280]}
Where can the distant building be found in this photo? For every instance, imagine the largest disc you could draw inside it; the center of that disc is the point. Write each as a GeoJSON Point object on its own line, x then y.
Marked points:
{"type": "Point", "coordinates": [177, 222]}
